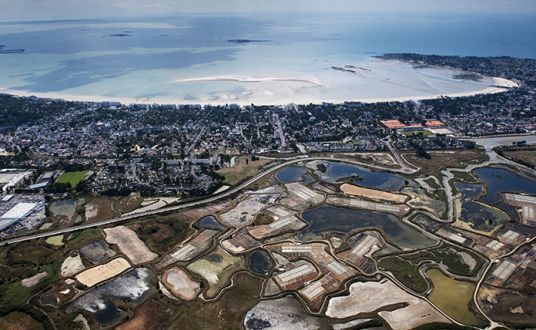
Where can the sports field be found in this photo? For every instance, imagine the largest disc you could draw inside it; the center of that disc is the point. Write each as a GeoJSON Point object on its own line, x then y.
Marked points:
{"type": "Point", "coordinates": [72, 178]}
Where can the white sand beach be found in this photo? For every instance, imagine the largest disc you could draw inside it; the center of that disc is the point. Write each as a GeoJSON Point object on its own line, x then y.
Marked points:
{"type": "Point", "coordinates": [374, 80]}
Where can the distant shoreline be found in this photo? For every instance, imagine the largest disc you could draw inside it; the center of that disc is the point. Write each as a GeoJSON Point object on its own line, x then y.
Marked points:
{"type": "Point", "coordinates": [501, 85]}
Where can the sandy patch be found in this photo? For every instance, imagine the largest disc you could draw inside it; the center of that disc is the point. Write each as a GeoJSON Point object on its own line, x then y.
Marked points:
{"type": "Point", "coordinates": [34, 280]}
{"type": "Point", "coordinates": [72, 266]}
{"type": "Point", "coordinates": [91, 211]}
{"type": "Point", "coordinates": [353, 190]}
{"type": "Point", "coordinates": [180, 284]}
{"type": "Point", "coordinates": [368, 297]}
{"type": "Point", "coordinates": [130, 244]}
{"type": "Point", "coordinates": [283, 313]}
{"type": "Point", "coordinates": [46, 226]}
{"type": "Point", "coordinates": [217, 268]}
{"type": "Point", "coordinates": [301, 197]}
{"type": "Point", "coordinates": [154, 204]}
{"type": "Point", "coordinates": [505, 82]}
{"type": "Point", "coordinates": [55, 240]}
{"type": "Point", "coordinates": [367, 205]}
{"type": "Point", "coordinates": [244, 212]}
{"type": "Point", "coordinates": [83, 321]}
{"type": "Point", "coordinates": [96, 275]}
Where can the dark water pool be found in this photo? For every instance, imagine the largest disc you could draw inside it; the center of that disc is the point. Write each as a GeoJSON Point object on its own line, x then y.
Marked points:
{"type": "Point", "coordinates": [131, 288]}
{"type": "Point", "coordinates": [481, 215]}
{"type": "Point", "coordinates": [291, 174]}
{"type": "Point", "coordinates": [260, 262]}
{"type": "Point", "coordinates": [208, 222]}
{"type": "Point", "coordinates": [377, 180]}
{"type": "Point", "coordinates": [329, 218]}
{"type": "Point", "coordinates": [499, 180]}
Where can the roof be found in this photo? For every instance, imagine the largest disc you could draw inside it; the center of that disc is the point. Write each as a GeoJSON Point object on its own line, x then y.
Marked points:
{"type": "Point", "coordinates": [19, 211]}
{"type": "Point", "coordinates": [5, 223]}
{"type": "Point", "coordinates": [7, 198]}
{"type": "Point", "coordinates": [392, 124]}
{"type": "Point", "coordinates": [434, 123]}
{"type": "Point", "coordinates": [38, 185]}
{"type": "Point", "coordinates": [442, 131]}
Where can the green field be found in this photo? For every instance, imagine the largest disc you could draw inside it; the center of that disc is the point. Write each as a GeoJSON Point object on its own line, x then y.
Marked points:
{"type": "Point", "coordinates": [55, 240]}
{"type": "Point", "coordinates": [72, 178]}
{"type": "Point", "coordinates": [453, 297]}
{"type": "Point", "coordinates": [83, 237]}
{"type": "Point", "coordinates": [413, 133]}
{"type": "Point", "coordinates": [405, 266]}
{"type": "Point", "coordinates": [405, 272]}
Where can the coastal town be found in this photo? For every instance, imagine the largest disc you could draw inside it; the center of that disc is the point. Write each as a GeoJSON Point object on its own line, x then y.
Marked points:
{"type": "Point", "coordinates": [397, 215]}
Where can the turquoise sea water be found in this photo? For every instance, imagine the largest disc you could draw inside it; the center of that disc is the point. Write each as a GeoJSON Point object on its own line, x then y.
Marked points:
{"type": "Point", "coordinates": [157, 58]}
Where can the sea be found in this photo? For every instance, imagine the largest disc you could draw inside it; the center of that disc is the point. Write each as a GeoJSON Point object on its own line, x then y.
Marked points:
{"type": "Point", "coordinates": [270, 58]}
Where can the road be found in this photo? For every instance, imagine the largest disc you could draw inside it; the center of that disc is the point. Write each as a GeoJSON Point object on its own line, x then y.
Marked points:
{"type": "Point", "coordinates": [210, 199]}
{"type": "Point", "coordinates": [406, 167]}
{"type": "Point", "coordinates": [496, 141]}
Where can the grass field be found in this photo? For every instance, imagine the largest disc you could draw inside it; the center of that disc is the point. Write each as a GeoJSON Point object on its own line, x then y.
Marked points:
{"type": "Point", "coordinates": [242, 171]}
{"type": "Point", "coordinates": [465, 177]}
{"type": "Point", "coordinates": [457, 261]}
{"type": "Point", "coordinates": [19, 321]}
{"type": "Point", "coordinates": [226, 313]}
{"type": "Point", "coordinates": [162, 234]}
{"type": "Point", "coordinates": [83, 237]}
{"type": "Point", "coordinates": [72, 178]}
{"type": "Point", "coordinates": [405, 272]}
{"type": "Point", "coordinates": [525, 156]}
{"type": "Point", "coordinates": [444, 160]}
{"type": "Point", "coordinates": [412, 133]}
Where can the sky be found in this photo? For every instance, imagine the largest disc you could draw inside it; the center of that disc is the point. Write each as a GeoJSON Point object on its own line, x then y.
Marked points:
{"type": "Point", "coordinates": [13, 10]}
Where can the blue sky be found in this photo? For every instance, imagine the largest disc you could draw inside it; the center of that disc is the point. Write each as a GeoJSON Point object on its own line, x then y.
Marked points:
{"type": "Point", "coordinates": [66, 9]}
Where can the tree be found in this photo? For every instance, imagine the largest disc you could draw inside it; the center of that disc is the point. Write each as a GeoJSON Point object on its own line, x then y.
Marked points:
{"type": "Point", "coordinates": [422, 153]}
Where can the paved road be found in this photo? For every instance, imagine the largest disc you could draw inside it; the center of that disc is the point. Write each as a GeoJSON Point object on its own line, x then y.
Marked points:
{"type": "Point", "coordinates": [207, 200]}
{"type": "Point", "coordinates": [197, 203]}
{"type": "Point", "coordinates": [406, 167]}
{"type": "Point", "coordinates": [491, 142]}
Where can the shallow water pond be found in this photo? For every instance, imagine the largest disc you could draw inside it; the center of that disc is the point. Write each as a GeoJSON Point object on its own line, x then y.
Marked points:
{"type": "Point", "coordinates": [481, 216]}
{"type": "Point", "coordinates": [499, 180]}
{"type": "Point", "coordinates": [132, 287]}
{"type": "Point", "coordinates": [453, 297]}
{"type": "Point", "coordinates": [329, 218]}
{"type": "Point", "coordinates": [208, 222]}
{"type": "Point", "coordinates": [64, 207]}
{"type": "Point", "coordinates": [291, 174]}
{"type": "Point", "coordinates": [336, 171]}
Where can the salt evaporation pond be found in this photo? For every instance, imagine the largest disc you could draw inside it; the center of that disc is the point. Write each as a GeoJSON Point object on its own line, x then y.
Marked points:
{"type": "Point", "coordinates": [260, 262]}
{"type": "Point", "coordinates": [131, 287]}
{"type": "Point", "coordinates": [291, 174]}
{"type": "Point", "coordinates": [499, 180]}
{"type": "Point", "coordinates": [329, 218]}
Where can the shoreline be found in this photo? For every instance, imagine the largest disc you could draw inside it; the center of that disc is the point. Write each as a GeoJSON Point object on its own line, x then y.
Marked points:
{"type": "Point", "coordinates": [501, 85]}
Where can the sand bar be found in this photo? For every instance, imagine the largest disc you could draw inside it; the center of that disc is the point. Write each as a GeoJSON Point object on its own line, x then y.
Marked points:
{"type": "Point", "coordinates": [96, 275]}
{"type": "Point", "coordinates": [353, 190]}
